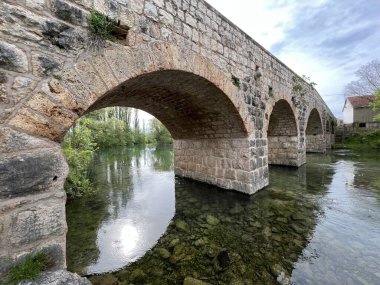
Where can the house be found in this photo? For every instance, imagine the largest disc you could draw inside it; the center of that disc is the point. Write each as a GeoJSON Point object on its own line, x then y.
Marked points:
{"type": "Point", "coordinates": [356, 111]}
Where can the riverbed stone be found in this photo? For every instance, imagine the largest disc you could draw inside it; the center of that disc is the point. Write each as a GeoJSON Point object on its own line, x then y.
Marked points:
{"type": "Point", "coordinates": [194, 281]}
{"type": "Point", "coordinates": [164, 253]}
{"type": "Point", "coordinates": [211, 220]}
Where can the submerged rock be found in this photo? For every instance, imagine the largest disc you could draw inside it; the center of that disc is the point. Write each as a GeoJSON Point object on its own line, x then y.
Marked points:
{"type": "Point", "coordinates": [164, 253]}
{"type": "Point", "coordinates": [211, 220]}
{"type": "Point", "coordinates": [107, 279]}
{"type": "Point", "coordinates": [182, 225]}
{"type": "Point", "coordinates": [193, 281]}
{"type": "Point", "coordinates": [138, 275]}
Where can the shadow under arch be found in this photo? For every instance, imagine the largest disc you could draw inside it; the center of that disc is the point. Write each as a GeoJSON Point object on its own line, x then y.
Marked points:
{"type": "Point", "coordinates": [315, 141]}
{"type": "Point", "coordinates": [191, 107]}
{"type": "Point", "coordinates": [283, 136]}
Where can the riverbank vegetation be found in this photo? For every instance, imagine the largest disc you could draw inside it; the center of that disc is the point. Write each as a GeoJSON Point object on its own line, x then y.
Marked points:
{"type": "Point", "coordinates": [365, 140]}
{"type": "Point", "coordinates": [102, 129]}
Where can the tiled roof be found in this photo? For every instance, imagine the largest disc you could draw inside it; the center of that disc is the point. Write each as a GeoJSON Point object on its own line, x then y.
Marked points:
{"type": "Point", "coordinates": [361, 101]}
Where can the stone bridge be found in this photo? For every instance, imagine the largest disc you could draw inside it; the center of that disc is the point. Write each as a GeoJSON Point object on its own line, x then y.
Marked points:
{"type": "Point", "coordinates": [231, 106]}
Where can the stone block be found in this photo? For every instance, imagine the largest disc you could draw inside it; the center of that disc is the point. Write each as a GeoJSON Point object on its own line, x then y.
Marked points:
{"type": "Point", "coordinates": [3, 88]}
{"type": "Point", "coordinates": [13, 58]}
{"type": "Point", "coordinates": [31, 172]}
{"type": "Point", "coordinates": [36, 124]}
{"type": "Point", "coordinates": [151, 11]}
{"type": "Point", "coordinates": [64, 36]}
{"type": "Point", "coordinates": [22, 87]}
{"type": "Point", "coordinates": [42, 104]}
{"type": "Point", "coordinates": [38, 222]}
{"type": "Point", "coordinates": [44, 65]}
{"type": "Point", "coordinates": [69, 13]}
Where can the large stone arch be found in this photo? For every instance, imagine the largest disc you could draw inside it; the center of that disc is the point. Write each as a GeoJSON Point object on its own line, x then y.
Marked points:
{"type": "Point", "coordinates": [314, 134]}
{"type": "Point", "coordinates": [52, 109]}
{"type": "Point", "coordinates": [283, 135]}
{"type": "Point", "coordinates": [212, 129]}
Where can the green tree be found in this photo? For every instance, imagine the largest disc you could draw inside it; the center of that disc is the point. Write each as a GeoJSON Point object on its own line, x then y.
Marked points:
{"type": "Point", "coordinates": [78, 149]}
{"type": "Point", "coordinates": [376, 104]}
{"type": "Point", "coordinates": [105, 128]}
{"type": "Point", "coordinates": [159, 133]}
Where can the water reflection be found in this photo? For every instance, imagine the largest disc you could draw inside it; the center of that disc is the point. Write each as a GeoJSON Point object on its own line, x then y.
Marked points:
{"type": "Point", "coordinates": [318, 224]}
{"type": "Point", "coordinates": [346, 243]}
{"type": "Point", "coordinates": [137, 204]}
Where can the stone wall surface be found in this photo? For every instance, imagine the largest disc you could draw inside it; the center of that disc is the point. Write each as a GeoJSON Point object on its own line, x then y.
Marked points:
{"type": "Point", "coordinates": [237, 164]}
{"type": "Point", "coordinates": [211, 84]}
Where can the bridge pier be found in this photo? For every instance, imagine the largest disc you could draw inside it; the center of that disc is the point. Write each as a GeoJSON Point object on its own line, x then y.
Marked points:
{"type": "Point", "coordinates": [32, 198]}
{"type": "Point", "coordinates": [239, 164]}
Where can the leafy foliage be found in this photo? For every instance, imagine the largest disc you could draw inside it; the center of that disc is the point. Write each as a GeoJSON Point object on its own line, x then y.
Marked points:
{"type": "Point", "coordinates": [100, 24]}
{"type": "Point", "coordinates": [107, 128]}
{"type": "Point", "coordinates": [236, 81]}
{"type": "Point", "coordinates": [376, 105]}
{"type": "Point", "coordinates": [78, 148]}
{"type": "Point", "coordinates": [362, 140]}
{"type": "Point", "coordinates": [159, 133]}
{"type": "Point", "coordinates": [300, 88]}
{"type": "Point", "coordinates": [29, 268]}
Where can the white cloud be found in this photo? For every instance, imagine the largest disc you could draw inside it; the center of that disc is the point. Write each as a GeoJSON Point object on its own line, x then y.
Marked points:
{"type": "Point", "coordinates": [327, 40]}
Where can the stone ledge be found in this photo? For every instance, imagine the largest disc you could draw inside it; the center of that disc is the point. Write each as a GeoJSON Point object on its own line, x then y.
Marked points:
{"type": "Point", "coordinates": [59, 277]}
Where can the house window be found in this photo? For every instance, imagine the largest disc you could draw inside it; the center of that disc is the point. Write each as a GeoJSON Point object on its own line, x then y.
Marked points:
{"type": "Point", "coordinates": [362, 125]}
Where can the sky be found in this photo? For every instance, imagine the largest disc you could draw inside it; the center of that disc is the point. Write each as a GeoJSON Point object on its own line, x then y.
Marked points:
{"type": "Point", "coordinates": [327, 40]}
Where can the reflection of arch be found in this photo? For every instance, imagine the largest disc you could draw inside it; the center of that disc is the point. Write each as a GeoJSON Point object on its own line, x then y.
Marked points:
{"type": "Point", "coordinates": [282, 135]}
{"type": "Point", "coordinates": [315, 141]}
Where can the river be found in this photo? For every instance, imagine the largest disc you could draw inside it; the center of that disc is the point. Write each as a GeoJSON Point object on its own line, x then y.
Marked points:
{"type": "Point", "coordinates": [318, 224]}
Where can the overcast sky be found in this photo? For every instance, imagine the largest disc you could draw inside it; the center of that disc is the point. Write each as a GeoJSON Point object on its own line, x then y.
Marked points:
{"type": "Point", "coordinates": [327, 40]}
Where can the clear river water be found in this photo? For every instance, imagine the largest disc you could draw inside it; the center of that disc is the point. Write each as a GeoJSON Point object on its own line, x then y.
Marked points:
{"type": "Point", "coordinates": [319, 224]}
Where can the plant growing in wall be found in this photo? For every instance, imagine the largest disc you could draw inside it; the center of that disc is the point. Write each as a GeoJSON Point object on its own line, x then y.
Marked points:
{"type": "Point", "coordinates": [301, 85]}
{"type": "Point", "coordinates": [236, 81]}
{"type": "Point", "coordinates": [102, 28]}
{"type": "Point", "coordinates": [29, 268]}
{"type": "Point", "coordinates": [100, 24]}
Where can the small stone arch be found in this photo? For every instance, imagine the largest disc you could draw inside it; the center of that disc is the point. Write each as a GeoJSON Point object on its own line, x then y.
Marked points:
{"type": "Point", "coordinates": [315, 141]}
{"type": "Point", "coordinates": [282, 134]}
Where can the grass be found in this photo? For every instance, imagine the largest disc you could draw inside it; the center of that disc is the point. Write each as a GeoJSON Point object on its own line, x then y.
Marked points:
{"type": "Point", "coordinates": [29, 268]}
{"type": "Point", "coordinates": [361, 140]}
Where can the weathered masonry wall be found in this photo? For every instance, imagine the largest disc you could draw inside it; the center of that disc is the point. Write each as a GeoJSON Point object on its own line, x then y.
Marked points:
{"type": "Point", "coordinates": [32, 200]}
{"type": "Point", "coordinates": [213, 86]}
{"type": "Point", "coordinates": [228, 163]}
